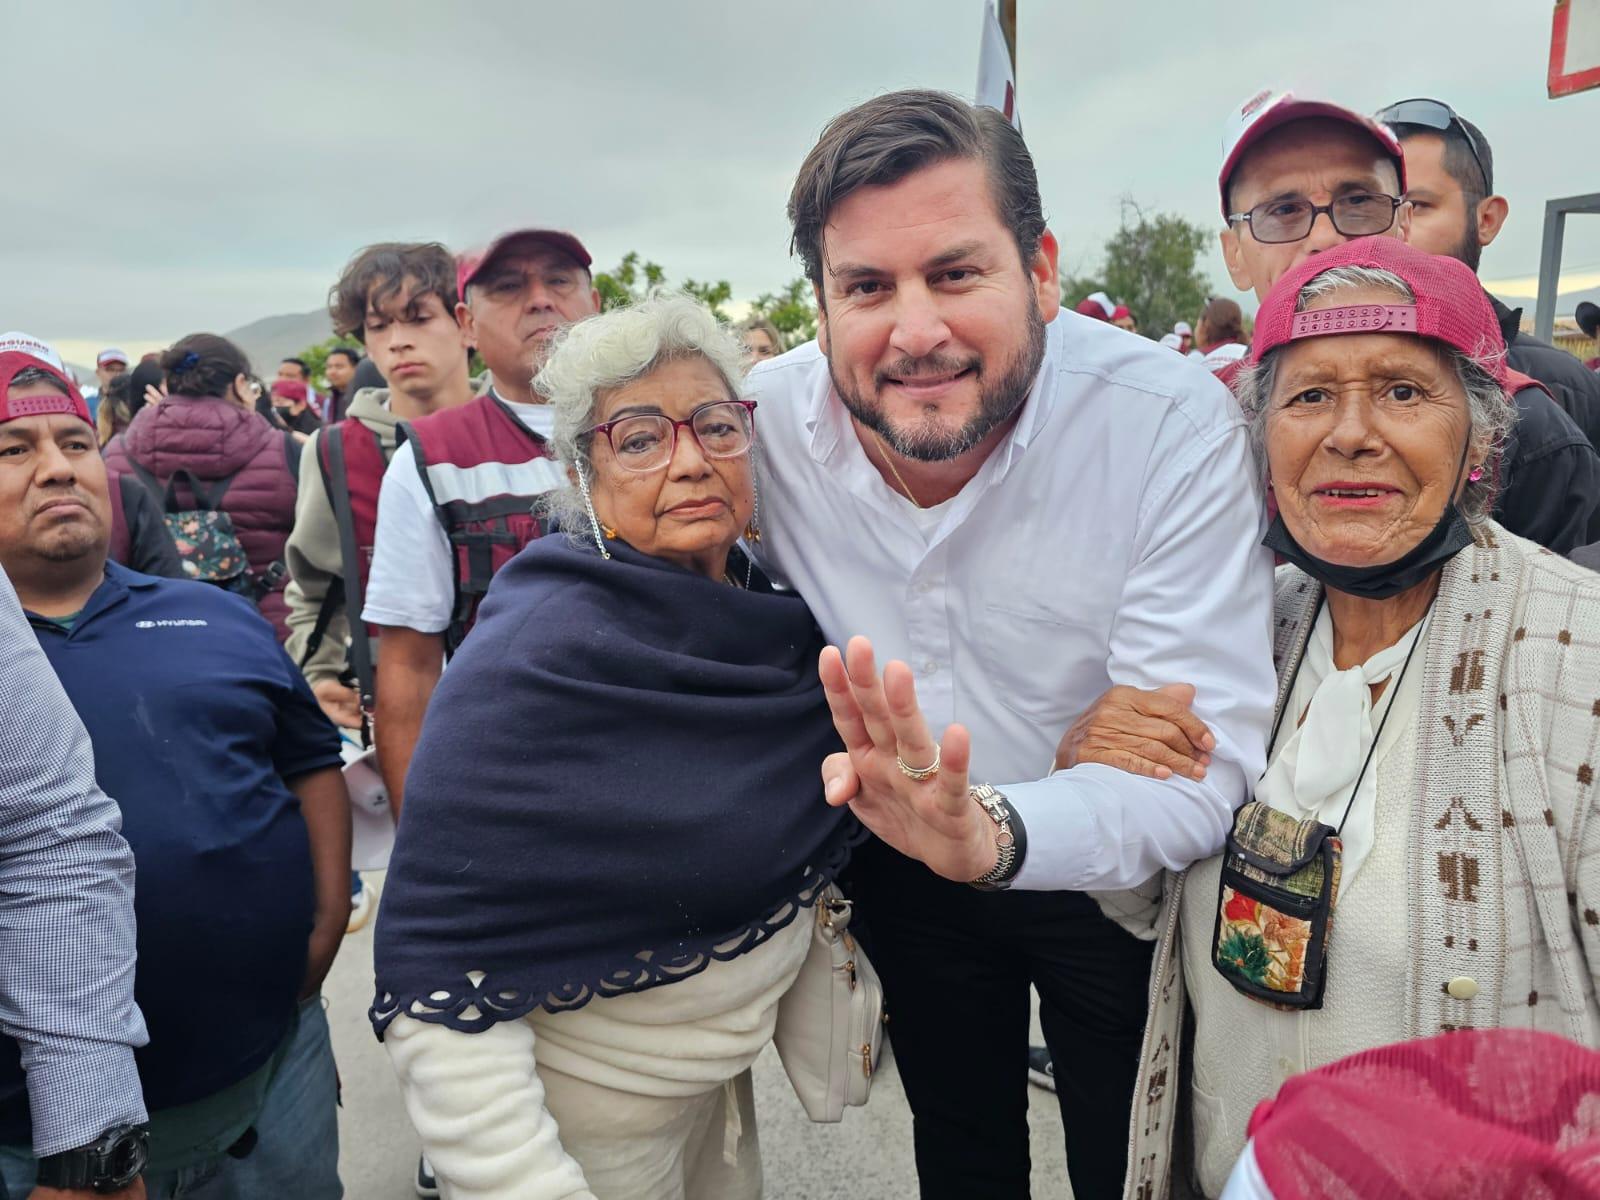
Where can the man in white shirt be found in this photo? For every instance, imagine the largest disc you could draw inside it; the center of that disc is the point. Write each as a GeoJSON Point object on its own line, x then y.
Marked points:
{"type": "Point", "coordinates": [1025, 508]}
{"type": "Point", "coordinates": [457, 500]}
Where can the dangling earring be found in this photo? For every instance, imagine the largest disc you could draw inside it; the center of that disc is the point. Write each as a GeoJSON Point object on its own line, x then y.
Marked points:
{"type": "Point", "coordinates": [752, 529]}
{"type": "Point", "coordinates": [1475, 474]}
{"type": "Point", "coordinates": [594, 521]}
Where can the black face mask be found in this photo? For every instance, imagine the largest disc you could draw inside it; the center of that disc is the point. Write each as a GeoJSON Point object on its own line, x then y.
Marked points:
{"type": "Point", "coordinates": [1447, 539]}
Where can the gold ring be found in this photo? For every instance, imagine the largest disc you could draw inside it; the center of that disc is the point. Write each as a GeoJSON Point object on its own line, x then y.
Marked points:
{"type": "Point", "coordinates": [919, 773]}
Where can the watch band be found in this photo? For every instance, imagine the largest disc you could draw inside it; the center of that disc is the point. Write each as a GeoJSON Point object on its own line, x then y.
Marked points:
{"type": "Point", "coordinates": [1011, 839]}
{"type": "Point", "coordinates": [108, 1164]}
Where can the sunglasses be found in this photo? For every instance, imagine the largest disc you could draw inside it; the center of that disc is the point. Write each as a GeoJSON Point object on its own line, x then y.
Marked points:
{"type": "Point", "coordinates": [1436, 114]}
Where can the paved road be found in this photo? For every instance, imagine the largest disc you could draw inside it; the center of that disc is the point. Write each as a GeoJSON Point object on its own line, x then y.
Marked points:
{"type": "Point", "coordinates": [867, 1157]}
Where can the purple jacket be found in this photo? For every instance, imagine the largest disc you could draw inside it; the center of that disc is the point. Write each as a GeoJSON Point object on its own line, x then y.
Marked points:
{"type": "Point", "coordinates": [212, 439]}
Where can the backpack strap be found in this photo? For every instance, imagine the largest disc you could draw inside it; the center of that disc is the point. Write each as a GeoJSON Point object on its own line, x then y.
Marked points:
{"type": "Point", "coordinates": [291, 457]}
{"type": "Point", "coordinates": [338, 480]}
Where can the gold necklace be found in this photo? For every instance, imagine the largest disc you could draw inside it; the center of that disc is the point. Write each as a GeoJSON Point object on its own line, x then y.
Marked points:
{"type": "Point", "coordinates": [883, 452]}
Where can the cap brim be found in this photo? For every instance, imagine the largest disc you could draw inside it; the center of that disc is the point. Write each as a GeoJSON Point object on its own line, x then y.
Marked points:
{"type": "Point", "coordinates": [556, 239]}
{"type": "Point", "coordinates": [1291, 110]}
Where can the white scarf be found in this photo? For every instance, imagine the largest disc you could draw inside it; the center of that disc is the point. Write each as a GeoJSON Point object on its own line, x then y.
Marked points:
{"type": "Point", "coordinates": [1318, 764]}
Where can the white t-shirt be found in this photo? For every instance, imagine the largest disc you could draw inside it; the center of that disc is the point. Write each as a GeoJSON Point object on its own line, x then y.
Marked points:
{"type": "Point", "coordinates": [1112, 537]}
{"type": "Point", "coordinates": [412, 581]}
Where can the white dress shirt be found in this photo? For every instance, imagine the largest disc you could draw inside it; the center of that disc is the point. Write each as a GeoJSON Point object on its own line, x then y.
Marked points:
{"type": "Point", "coordinates": [1112, 537]}
{"type": "Point", "coordinates": [412, 581]}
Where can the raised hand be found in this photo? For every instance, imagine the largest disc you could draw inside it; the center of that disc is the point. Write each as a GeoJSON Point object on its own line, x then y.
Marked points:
{"type": "Point", "coordinates": [887, 748]}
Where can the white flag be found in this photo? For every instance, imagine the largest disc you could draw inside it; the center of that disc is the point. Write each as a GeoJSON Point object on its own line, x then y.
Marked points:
{"type": "Point", "coordinates": [997, 86]}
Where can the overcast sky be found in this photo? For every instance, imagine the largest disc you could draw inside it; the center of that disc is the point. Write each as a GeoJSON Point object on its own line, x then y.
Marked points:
{"type": "Point", "coordinates": [204, 165]}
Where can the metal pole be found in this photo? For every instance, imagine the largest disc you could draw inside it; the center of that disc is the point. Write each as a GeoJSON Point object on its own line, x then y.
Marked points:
{"type": "Point", "coordinates": [1555, 228]}
{"type": "Point", "coordinates": [1008, 26]}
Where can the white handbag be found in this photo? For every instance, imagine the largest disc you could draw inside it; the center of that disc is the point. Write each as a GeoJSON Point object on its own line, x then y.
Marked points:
{"type": "Point", "coordinates": [830, 1023]}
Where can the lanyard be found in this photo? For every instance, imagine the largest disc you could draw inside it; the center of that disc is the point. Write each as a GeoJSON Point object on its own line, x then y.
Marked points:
{"type": "Point", "coordinates": [1394, 691]}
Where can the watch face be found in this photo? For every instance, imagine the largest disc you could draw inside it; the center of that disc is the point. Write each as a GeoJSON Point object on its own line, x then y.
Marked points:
{"type": "Point", "coordinates": [127, 1159]}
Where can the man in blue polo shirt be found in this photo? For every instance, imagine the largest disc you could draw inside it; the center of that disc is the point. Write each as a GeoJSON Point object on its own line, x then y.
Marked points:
{"type": "Point", "coordinates": [233, 803]}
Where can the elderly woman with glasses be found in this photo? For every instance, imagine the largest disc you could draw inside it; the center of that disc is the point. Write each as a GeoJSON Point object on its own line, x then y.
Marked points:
{"type": "Point", "coordinates": [1423, 851]}
{"type": "Point", "coordinates": [614, 815]}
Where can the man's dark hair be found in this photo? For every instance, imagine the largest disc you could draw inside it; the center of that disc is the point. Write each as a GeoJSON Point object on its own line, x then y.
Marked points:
{"type": "Point", "coordinates": [890, 137]}
{"type": "Point", "coordinates": [376, 275]}
{"type": "Point", "coordinates": [38, 375]}
{"type": "Point", "coordinates": [305, 371]}
{"type": "Point", "coordinates": [346, 352]}
{"type": "Point", "coordinates": [1475, 183]}
{"type": "Point", "coordinates": [203, 364]}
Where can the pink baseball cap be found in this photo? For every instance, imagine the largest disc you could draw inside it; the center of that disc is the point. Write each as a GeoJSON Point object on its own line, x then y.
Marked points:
{"type": "Point", "coordinates": [1122, 310]}
{"type": "Point", "coordinates": [469, 264]}
{"type": "Point", "coordinates": [1267, 110]}
{"type": "Point", "coordinates": [1450, 305]}
{"type": "Point", "coordinates": [18, 353]}
{"type": "Point", "coordinates": [291, 389]}
{"type": "Point", "coordinates": [1494, 1114]}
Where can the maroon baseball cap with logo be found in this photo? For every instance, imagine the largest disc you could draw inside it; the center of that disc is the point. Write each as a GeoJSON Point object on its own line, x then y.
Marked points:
{"type": "Point", "coordinates": [1267, 110]}
{"type": "Point", "coordinates": [18, 353]}
{"type": "Point", "coordinates": [469, 264]}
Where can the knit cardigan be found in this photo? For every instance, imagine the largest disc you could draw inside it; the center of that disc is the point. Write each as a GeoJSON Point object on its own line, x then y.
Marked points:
{"type": "Point", "coordinates": [1502, 844]}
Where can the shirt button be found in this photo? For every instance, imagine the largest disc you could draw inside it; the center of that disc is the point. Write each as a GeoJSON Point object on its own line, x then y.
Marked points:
{"type": "Point", "coordinates": [925, 587]}
{"type": "Point", "coordinates": [1462, 987]}
{"type": "Point", "coordinates": [929, 667]}
{"type": "Point", "coordinates": [1286, 1068]}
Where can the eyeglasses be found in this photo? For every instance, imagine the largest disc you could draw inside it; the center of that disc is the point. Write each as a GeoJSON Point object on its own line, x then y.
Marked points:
{"type": "Point", "coordinates": [722, 429]}
{"type": "Point", "coordinates": [1436, 114]}
{"type": "Point", "coordinates": [1356, 215]}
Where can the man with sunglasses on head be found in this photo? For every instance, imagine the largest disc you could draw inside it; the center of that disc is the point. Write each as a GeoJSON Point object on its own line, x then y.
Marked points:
{"type": "Point", "coordinates": [1301, 176]}
{"type": "Point", "coordinates": [1455, 211]}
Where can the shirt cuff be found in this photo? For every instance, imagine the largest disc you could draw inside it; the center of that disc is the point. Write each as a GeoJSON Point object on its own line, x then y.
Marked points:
{"type": "Point", "coordinates": [1061, 835]}
{"type": "Point", "coordinates": [385, 616]}
{"type": "Point", "coordinates": [79, 1090]}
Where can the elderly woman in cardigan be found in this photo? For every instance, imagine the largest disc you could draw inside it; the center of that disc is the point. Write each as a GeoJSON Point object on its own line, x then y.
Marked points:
{"type": "Point", "coordinates": [1438, 715]}
{"type": "Point", "coordinates": [1421, 854]}
{"type": "Point", "coordinates": [614, 817]}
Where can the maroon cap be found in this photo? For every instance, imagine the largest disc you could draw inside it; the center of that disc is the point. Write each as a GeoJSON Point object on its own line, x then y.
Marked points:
{"type": "Point", "coordinates": [1267, 110]}
{"type": "Point", "coordinates": [1494, 1114]}
{"type": "Point", "coordinates": [1122, 310]}
{"type": "Point", "coordinates": [469, 264]}
{"type": "Point", "coordinates": [12, 364]}
{"type": "Point", "coordinates": [1450, 306]}
{"type": "Point", "coordinates": [292, 389]}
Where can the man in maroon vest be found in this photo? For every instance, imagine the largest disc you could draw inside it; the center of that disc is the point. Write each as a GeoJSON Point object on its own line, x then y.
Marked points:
{"type": "Point", "coordinates": [399, 300]}
{"type": "Point", "coordinates": [458, 500]}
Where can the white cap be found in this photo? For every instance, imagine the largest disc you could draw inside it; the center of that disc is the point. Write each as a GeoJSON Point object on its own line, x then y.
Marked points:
{"type": "Point", "coordinates": [111, 354]}
{"type": "Point", "coordinates": [1183, 329]}
{"type": "Point", "coordinates": [1104, 301]}
{"type": "Point", "coordinates": [1267, 109]}
{"type": "Point", "coordinates": [22, 343]}
{"type": "Point", "coordinates": [1172, 341]}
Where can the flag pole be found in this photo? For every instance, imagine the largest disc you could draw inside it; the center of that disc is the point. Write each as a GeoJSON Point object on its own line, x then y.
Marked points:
{"type": "Point", "coordinates": [1008, 26]}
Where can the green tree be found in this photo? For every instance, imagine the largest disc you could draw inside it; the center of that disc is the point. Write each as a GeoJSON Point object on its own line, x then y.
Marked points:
{"type": "Point", "coordinates": [628, 281]}
{"type": "Point", "coordinates": [793, 311]}
{"type": "Point", "coordinates": [1151, 266]}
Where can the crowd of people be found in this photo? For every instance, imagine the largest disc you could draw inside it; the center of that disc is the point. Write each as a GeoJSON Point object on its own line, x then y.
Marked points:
{"type": "Point", "coordinates": [725, 694]}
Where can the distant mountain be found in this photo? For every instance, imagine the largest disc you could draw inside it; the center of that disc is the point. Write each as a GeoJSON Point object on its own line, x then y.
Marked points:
{"type": "Point", "coordinates": [272, 339]}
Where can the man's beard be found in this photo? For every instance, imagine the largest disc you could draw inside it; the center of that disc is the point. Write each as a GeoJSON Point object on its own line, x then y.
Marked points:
{"type": "Point", "coordinates": [998, 399]}
{"type": "Point", "coordinates": [1469, 251]}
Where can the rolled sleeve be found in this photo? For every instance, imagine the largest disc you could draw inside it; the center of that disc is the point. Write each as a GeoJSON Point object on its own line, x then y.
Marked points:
{"type": "Point", "coordinates": [67, 933]}
{"type": "Point", "coordinates": [1197, 609]}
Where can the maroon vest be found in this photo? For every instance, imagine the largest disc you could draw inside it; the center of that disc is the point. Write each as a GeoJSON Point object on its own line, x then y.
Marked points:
{"type": "Point", "coordinates": [364, 464]}
{"type": "Point", "coordinates": [120, 548]}
{"type": "Point", "coordinates": [484, 470]}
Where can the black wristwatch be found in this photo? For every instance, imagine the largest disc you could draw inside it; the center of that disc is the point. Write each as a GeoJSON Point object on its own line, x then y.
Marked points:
{"type": "Point", "coordinates": [108, 1164]}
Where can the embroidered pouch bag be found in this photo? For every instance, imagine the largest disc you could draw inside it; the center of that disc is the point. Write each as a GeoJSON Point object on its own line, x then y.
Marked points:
{"type": "Point", "coordinates": [1280, 881]}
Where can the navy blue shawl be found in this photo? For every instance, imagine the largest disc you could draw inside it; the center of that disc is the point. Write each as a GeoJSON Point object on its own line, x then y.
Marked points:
{"type": "Point", "coordinates": [617, 783]}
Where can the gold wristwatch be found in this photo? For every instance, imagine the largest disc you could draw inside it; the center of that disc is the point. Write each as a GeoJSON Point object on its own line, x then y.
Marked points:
{"type": "Point", "coordinates": [1009, 838]}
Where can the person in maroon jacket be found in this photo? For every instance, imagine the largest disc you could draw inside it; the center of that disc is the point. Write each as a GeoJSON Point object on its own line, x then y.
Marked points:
{"type": "Point", "coordinates": [207, 427]}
